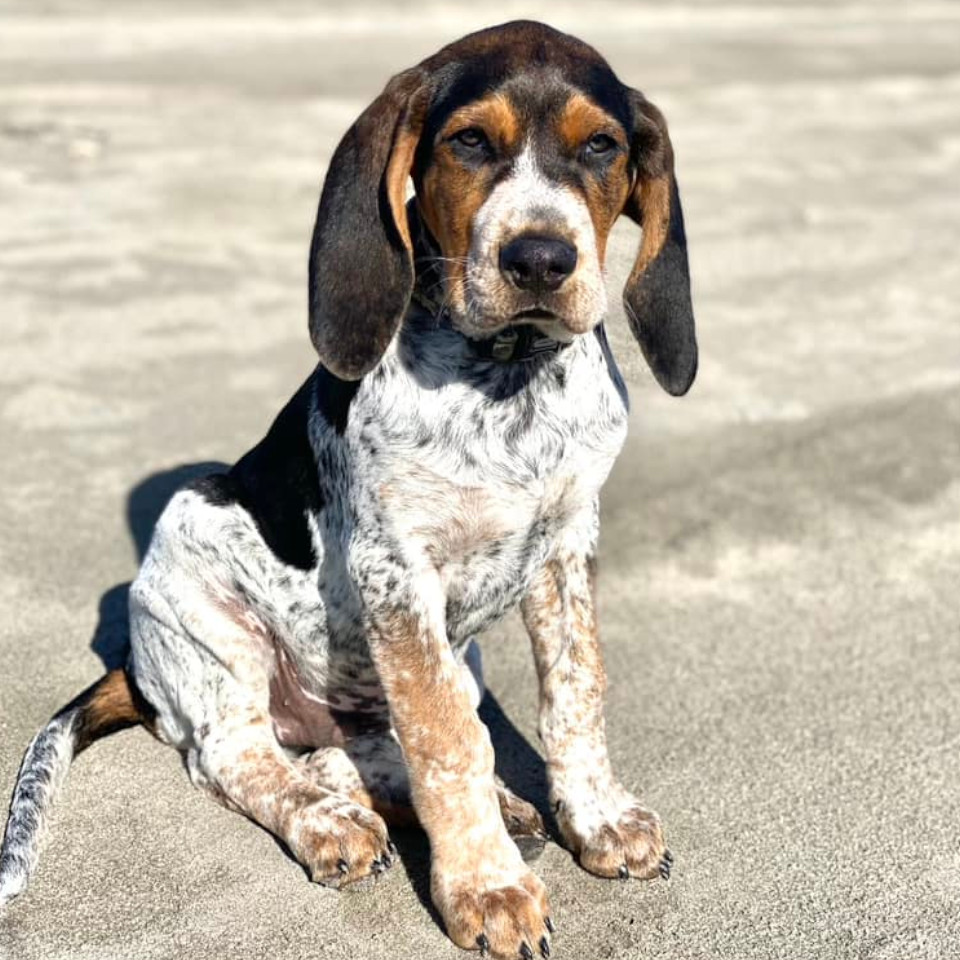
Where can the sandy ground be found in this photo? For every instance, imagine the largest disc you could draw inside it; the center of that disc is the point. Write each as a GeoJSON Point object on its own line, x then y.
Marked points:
{"type": "Point", "coordinates": [781, 549]}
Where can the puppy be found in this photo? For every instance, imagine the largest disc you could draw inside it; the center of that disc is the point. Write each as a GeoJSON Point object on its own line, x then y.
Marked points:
{"type": "Point", "coordinates": [303, 626]}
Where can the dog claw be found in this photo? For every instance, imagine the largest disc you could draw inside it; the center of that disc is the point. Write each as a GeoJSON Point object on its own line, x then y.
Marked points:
{"type": "Point", "coordinates": [664, 870]}
{"type": "Point", "coordinates": [483, 943]}
{"type": "Point", "coordinates": [525, 951]}
{"type": "Point", "coordinates": [624, 872]}
{"type": "Point", "coordinates": [550, 925]}
{"type": "Point", "coordinates": [392, 848]}
{"type": "Point", "coordinates": [545, 948]}
{"type": "Point", "coordinates": [668, 856]}
{"type": "Point", "coordinates": [343, 866]}
{"type": "Point", "coordinates": [377, 867]}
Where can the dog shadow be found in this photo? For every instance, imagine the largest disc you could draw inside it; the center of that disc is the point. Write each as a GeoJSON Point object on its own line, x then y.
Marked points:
{"type": "Point", "coordinates": [518, 764]}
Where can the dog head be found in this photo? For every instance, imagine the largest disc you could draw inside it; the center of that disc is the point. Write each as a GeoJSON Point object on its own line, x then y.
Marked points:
{"type": "Point", "coordinates": [524, 149]}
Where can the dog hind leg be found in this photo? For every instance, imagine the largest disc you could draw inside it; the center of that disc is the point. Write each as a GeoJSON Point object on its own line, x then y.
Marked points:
{"type": "Point", "coordinates": [210, 687]}
{"type": "Point", "coordinates": [336, 839]}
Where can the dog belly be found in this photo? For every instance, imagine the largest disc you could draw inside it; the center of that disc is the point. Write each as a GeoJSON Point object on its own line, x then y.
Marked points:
{"type": "Point", "coordinates": [324, 693]}
{"type": "Point", "coordinates": [301, 718]}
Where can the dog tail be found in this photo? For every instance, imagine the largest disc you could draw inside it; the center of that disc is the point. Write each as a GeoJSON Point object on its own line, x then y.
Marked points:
{"type": "Point", "coordinates": [111, 704]}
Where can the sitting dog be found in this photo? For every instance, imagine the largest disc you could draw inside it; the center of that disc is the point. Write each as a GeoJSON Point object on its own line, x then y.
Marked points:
{"type": "Point", "coordinates": [303, 627]}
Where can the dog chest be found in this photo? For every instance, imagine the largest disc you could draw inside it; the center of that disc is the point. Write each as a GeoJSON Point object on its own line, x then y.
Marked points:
{"type": "Point", "coordinates": [479, 485]}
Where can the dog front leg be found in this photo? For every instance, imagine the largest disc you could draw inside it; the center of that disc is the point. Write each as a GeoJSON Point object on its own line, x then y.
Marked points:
{"type": "Point", "coordinates": [488, 898]}
{"type": "Point", "coordinates": [601, 822]}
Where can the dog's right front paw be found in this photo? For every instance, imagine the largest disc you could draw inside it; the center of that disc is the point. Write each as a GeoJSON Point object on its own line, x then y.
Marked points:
{"type": "Point", "coordinates": [340, 842]}
{"type": "Point", "coordinates": [503, 914]}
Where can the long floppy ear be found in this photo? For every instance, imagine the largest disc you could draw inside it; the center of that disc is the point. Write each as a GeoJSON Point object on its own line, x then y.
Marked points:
{"type": "Point", "coordinates": [657, 293]}
{"type": "Point", "coordinates": [361, 262]}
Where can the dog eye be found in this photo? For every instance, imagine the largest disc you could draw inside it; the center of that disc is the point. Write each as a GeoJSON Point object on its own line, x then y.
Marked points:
{"type": "Point", "coordinates": [471, 137]}
{"type": "Point", "coordinates": [600, 143]}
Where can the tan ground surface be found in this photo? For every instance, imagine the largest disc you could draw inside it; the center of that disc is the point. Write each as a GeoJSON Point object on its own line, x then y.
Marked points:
{"type": "Point", "coordinates": [781, 557]}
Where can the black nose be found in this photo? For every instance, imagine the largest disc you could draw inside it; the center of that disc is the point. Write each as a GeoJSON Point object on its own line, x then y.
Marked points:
{"type": "Point", "coordinates": [539, 264]}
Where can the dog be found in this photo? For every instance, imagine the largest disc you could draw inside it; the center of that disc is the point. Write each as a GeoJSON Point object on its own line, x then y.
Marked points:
{"type": "Point", "coordinates": [303, 627]}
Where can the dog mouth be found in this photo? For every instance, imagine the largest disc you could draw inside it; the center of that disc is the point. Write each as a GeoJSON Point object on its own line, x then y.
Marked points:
{"type": "Point", "coordinates": [550, 324]}
{"type": "Point", "coordinates": [535, 313]}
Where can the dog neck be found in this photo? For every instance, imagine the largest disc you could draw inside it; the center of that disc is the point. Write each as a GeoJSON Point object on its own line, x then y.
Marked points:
{"type": "Point", "coordinates": [518, 343]}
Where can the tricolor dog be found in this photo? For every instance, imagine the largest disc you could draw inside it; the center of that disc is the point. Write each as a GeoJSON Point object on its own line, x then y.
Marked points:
{"type": "Point", "coordinates": [303, 626]}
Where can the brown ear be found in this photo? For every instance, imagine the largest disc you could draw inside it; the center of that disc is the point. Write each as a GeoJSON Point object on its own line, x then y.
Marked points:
{"type": "Point", "coordinates": [657, 294]}
{"type": "Point", "coordinates": [361, 262]}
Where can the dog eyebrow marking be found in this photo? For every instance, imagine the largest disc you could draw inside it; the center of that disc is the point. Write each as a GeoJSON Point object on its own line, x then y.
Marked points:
{"type": "Point", "coordinates": [494, 114]}
{"type": "Point", "coordinates": [580, 118]}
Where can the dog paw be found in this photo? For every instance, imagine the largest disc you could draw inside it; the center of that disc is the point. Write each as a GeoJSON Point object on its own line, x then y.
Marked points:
{"type": "Point", "coordinates": [628, 844]}
{"type": "Point", "coordinates": [520, 817]}
{"type": "Point", "coordinates": [503, 916]}
{"type": "Point", "coordinates": [340, 844]}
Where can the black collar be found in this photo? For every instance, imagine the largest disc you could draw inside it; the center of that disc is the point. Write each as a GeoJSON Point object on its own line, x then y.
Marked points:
{"type": "Point", "coordinates": [522, 343]}
{"type": "Point", "coordinates": [519, 344]}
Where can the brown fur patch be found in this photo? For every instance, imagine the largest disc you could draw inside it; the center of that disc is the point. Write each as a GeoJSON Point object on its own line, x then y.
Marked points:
{"type": "Point", "coordinates": [447, 748]}
{"type": "Point", "coordinates": [649, 200]}
{"type": "Point", "coordinates": [606, 195]}
{"type": "Point", "coordinates": [451, 192]}
{"type": "Point", "coordinates": [112, 703]}
{"type": "Point", "coordinates": [398, 172]}
{"type": "Point", "coordinates": [653, 199]}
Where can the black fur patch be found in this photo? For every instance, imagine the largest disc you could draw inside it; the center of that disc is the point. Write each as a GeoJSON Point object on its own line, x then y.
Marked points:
{"type": "Point", "coordinates": [276, 483]}
{"type": "Point", "coordinates": [661, 312]}
{"type": "Point", "coordinates": [334, 397]}
{"type": "Point", "coordinates": [360, 272]}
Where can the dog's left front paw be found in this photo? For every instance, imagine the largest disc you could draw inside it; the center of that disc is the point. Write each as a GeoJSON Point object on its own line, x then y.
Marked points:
{"type": "Point", "coordinates": [631, 844]}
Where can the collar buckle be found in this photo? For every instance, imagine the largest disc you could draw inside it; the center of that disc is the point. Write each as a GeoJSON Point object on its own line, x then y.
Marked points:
{"type": "Point", "coordinates": [521, 344]}
{"type": "Point", "coordinates": [504, 345]}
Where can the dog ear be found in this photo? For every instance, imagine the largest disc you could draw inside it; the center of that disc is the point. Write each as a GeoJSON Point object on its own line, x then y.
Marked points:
{"type": "Point", "coordinates": [657, 293]}
{"type": "Point", "coordinates": [361, 261]}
